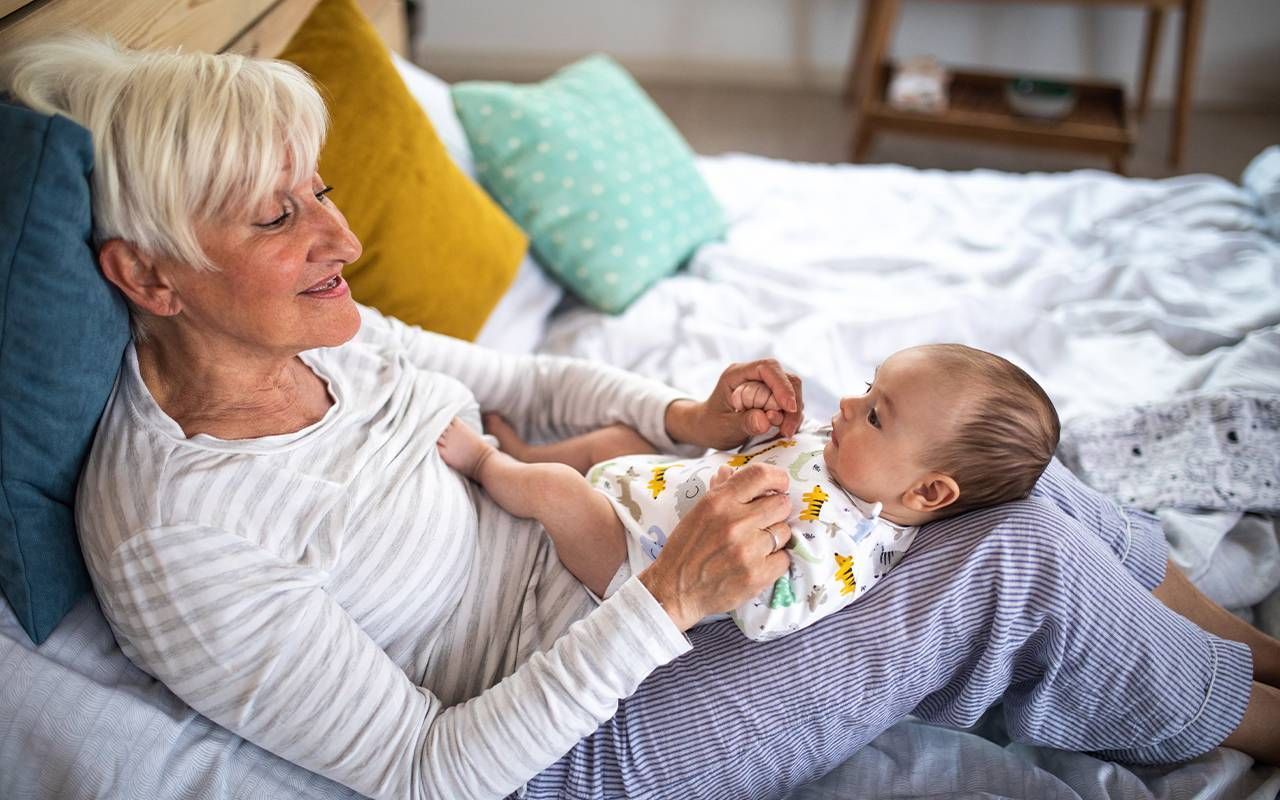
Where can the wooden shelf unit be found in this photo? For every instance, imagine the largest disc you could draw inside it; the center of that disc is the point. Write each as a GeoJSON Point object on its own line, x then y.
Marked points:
{"type": "Point", "coordinates": [977, 108]}
{"type": "Point", "coordinates": [1100, 124]}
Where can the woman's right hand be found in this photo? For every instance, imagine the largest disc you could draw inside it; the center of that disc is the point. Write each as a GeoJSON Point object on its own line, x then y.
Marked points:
{"type": "Point", "coordinates": [722, 552]}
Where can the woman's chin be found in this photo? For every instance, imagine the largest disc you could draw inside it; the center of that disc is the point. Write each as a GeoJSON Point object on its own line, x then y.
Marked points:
{"type": "Point", "coordinates": [339, 323]}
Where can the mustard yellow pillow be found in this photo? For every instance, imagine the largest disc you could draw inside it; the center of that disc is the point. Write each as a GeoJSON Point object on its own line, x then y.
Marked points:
{"type": "Point", "coordinates": [437, 251]}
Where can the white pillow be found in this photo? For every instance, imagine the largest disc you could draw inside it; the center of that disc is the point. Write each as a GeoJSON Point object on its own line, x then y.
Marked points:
{"type": "Point", "coordinates": [1262, 177]}
{"type": "Point", "coordinates": [519, 321]}
{"type": "Point", "coordinates": [433, 95]}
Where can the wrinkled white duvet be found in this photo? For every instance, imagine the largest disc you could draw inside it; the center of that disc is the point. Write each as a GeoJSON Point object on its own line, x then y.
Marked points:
{"type": "Point", "coordinates": [1110, 291]}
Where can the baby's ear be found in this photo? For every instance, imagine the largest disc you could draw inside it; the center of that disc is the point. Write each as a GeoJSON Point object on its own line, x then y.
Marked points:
{"type": "Point", "coordinates": [934, 492]}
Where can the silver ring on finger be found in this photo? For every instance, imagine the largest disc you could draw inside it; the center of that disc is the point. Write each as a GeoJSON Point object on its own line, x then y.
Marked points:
{"type": "Point", "coordinates": [776, 545]}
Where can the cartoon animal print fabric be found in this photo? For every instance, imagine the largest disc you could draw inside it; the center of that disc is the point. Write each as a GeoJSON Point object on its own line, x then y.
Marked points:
{"type": "Point", "coordinates": [1216, 451]}
{"type": "Point", "coordinates": [839, 548]}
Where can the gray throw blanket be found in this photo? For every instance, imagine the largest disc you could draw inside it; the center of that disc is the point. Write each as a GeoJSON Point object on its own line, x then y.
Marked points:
{"type": "Point", "coordinates": [1216, 450]}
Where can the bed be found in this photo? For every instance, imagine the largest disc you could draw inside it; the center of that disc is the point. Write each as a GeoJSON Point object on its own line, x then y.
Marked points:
{"type": "Point", "coordinates": [1117, 294]}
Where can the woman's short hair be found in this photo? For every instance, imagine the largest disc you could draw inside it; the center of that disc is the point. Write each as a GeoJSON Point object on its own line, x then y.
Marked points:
{"type": "Point", "coordinates": [179, 137]}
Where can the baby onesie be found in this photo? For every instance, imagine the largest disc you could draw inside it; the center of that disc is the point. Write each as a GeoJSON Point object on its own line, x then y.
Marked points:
{"type": "Point", "coordinates": [840, 546]}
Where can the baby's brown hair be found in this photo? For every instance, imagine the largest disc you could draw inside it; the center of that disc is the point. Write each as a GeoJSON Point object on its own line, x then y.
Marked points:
{"type": "Point", "coordinates": [1005, 434]}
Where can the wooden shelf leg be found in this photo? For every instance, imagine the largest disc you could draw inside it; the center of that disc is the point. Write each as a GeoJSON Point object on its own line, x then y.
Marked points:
{"type": "Point", "coordinates": [858, 54]}
{"type": "Point", "coordinates": [878, 28]}
{"type": "Point", "coordinates": [1192, 20]}
{"type": "Point", "coordinates": [1150, 52]}
{"type": "Point", "coordinates": [862, 143]}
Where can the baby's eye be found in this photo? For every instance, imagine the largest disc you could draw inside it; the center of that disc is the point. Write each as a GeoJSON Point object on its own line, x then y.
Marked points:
{"type": "Point", "coordinates": [873, 418]}
{"type": "Point", "coordinates": [868, 386]}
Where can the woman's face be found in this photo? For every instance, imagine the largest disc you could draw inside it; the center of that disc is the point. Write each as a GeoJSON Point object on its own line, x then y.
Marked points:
{"type": "Point", "coordinates": [278, 289]}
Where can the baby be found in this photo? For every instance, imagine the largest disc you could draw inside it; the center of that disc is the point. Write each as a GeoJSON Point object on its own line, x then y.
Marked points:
{"type": "Point", "coordinates": [943, 429]}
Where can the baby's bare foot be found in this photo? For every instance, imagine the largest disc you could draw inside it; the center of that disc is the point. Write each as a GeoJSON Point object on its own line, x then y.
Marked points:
{"type": "Point", "coordinates": [463, 449]}
{"type": "Point", "coordinates": [508, 440]}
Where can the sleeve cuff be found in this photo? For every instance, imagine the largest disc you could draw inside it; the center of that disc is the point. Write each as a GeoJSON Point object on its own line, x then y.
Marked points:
{"type": "Point", "coordinates": [648, 621]}
{"type": "Point", "coordinates": [1226, 696]}
{"type": "Point", "coordinates": [653, 422]}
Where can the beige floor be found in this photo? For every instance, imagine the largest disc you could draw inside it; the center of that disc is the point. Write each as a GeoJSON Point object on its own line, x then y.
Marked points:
{"type": "Point", "coordinates": [815, 126]}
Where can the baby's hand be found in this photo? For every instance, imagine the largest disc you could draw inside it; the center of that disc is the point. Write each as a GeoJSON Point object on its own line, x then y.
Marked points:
{"type": "Point", "coordinates": [753, 394]}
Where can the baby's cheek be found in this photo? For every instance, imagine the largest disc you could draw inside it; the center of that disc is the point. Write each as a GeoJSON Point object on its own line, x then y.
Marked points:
{"type": "Point", "coordinates": [832, 458]}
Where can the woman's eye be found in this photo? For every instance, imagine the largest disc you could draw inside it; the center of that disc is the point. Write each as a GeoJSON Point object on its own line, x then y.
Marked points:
{"type": "Point", "coordinates": [868, 385]}
{"type": "Point", "coordinates": [277, 222]}
{"type": "Point", "coordinates": [320, 194]}
{"type": "Point", "coordinates": [873, 418]}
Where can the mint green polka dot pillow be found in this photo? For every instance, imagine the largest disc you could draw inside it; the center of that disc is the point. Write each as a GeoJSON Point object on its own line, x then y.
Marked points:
{"type": "Point", "coordinates": [597, 176]}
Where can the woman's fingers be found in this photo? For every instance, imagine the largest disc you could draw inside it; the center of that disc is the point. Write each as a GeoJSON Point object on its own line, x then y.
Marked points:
{"type": "Point", "coordinates": [775, 377]}
{"type": "Point", "coordinates": [792, 419]}
{"type": "Point", "coordinates": [722, 551]}
{"type": "Point", "coordinates": [765, 511]}
{"type": "Point", "coordinates": [756, 480]}
{"type": "Point", "coordinates": [781, 533]}
{"type": "Point", "coordinates": [769, 372]}
{"type": "Point", "coordinates": [723, 474]}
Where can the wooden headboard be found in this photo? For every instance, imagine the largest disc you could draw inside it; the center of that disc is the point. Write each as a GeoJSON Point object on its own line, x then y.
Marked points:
{"type": "Point", "coordinates": [255, 27]}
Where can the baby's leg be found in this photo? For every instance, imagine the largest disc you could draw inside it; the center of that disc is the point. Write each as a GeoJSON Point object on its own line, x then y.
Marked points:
{"type": "Point", "coordinates": [590, 540]}
{"type": "Point", "coordinates": [579, 452]}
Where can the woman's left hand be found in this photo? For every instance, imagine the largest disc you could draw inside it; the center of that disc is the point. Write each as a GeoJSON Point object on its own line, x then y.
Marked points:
{"type": "Point", "coordinates": [717, 423]}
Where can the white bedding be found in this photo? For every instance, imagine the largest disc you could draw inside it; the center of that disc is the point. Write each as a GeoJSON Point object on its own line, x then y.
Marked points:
{"type": "Point", "coordinates": [1111, 291]}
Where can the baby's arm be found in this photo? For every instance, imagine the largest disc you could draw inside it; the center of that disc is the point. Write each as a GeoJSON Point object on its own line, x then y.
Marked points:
{"type": "Point", "coordinates": [589, 539]}
{"type": "Point", "coordinates": [579, 452]}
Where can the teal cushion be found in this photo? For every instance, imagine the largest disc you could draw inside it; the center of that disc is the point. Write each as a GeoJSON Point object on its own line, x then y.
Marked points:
{"type": "Point", "coordinates": [63, 330]}
{"type": "Point", "coordinates": [601, 181]}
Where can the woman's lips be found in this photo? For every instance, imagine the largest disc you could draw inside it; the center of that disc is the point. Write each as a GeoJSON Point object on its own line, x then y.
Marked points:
{"type": "Point", "coordinates": [333, 286]}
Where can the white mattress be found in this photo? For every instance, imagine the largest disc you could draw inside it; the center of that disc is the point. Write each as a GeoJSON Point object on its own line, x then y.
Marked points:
{"type": "Point", "coordinates": [1109, 290]}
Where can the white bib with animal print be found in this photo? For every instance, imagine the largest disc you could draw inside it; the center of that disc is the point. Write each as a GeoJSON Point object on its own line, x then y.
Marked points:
{"type": "Point", "coordinates": [839, 547]}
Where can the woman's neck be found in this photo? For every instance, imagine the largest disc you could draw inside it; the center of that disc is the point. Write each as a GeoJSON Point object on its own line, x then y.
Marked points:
{"type": "Point", "coordinates": [229, 392]}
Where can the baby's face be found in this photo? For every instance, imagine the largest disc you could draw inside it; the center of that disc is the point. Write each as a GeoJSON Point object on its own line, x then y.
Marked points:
{"type": "Point", "coordinates": [879, 439]}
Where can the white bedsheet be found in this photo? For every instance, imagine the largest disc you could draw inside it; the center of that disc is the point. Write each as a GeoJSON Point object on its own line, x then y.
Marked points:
{"type": "Point", "coordinates": [1110, 291]}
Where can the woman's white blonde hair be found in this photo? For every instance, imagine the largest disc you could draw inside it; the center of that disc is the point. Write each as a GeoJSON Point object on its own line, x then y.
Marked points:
{"type": "Point", "coordinates": [179, 137]}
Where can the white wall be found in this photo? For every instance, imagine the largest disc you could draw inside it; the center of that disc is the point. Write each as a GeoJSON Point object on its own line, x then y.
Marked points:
{"type": "Point", "coordinates": [806, 42]}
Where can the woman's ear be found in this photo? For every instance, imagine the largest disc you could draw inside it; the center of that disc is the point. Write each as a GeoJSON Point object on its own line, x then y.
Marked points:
{"type": "Point", "coordinates": [138, 276]}
{"type": "Point", "coordinates": [932, 493]}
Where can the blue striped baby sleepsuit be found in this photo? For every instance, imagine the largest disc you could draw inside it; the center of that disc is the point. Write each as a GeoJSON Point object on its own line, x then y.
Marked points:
{"type": "Point", "coordinates": [1043, 603]}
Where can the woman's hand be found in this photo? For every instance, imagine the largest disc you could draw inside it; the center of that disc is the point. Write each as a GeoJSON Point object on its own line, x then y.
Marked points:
{"type": "Point", "coordinates": [727, 548]}
{"type": "Point", "coordinates": [722, 422]}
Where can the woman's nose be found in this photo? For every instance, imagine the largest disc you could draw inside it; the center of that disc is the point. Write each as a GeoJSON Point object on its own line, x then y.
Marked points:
{"type": "Point", "coordinates": [337, 241]}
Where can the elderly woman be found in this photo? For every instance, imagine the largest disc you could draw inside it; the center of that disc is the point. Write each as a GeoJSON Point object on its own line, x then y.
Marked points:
{"type": "Point", "coordinates": [272, 533]}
